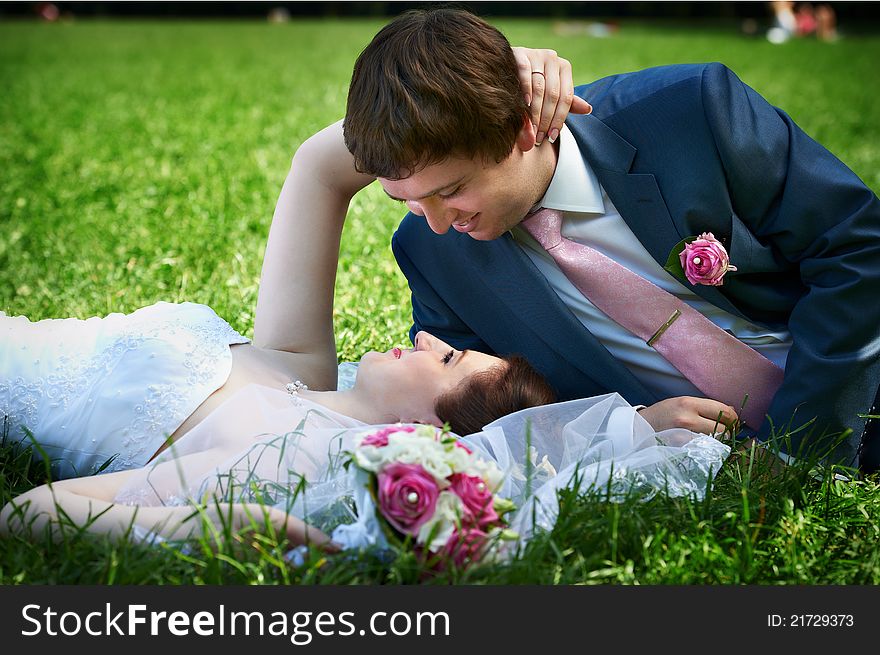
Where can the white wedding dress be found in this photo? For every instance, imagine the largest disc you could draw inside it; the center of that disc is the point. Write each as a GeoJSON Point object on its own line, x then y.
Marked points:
{"type": "Point", "coordinates": [268, 446]}
{"type": "Point", "coordinates": [112, 387]}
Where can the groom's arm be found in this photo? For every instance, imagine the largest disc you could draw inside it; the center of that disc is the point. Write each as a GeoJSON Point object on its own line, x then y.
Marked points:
{"type": "Point", "coordinates": [796, 196]}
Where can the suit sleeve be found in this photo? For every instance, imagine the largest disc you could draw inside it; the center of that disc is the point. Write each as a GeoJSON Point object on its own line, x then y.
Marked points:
{"type": "Point", "coordinates": [430, 312]}
{"type": "Point", "coordinates": [797, 197]}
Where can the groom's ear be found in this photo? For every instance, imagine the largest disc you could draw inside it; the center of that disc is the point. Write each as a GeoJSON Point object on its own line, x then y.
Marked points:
{"type": "Point", "coordinates": [527, 135]}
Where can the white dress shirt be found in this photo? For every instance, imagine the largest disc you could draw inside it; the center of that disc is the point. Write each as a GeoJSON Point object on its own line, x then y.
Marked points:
{"type": "Point", "coordinates": [589, 217]}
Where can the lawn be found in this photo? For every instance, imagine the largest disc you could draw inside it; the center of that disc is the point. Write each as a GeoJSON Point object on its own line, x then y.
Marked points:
{"type": "Point", "coordinates": [141, 162]}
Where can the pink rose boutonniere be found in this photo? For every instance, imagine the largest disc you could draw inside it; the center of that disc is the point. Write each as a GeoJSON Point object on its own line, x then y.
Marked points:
{"type": "Point", "coordinates": [700, 260]}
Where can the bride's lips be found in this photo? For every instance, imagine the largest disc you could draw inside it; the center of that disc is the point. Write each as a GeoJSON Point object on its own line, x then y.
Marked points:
{"type": "Point", "coordinates": [467, 226]}
{"type": "Point", "coordinates": [397, 352]}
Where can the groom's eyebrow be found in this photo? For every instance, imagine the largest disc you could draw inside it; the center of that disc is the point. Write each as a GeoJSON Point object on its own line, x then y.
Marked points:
{"type": "Point", "coordinates": [432, 193]}
{"type": "Point", "coordinates": [462, 355]}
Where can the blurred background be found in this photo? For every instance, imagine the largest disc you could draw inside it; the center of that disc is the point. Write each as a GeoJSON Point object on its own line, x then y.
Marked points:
{"type": "Point", "coordinates": [778, 20]}
{"type": "Point", "coordinates": [855, 16]}
{"type": "Point", "coordinates": [851, 12]}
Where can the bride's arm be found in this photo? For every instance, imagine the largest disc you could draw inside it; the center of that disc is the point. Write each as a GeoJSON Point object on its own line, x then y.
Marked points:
{"type": "Point", "coordinates": [70, 506]}
{"type": "Point", "coordinates": [550, 96]}
{"type": "Point", "coordinates": [295, 302]}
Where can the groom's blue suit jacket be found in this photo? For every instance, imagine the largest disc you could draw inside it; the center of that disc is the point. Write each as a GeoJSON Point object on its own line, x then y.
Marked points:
{"type": "Point", "coordinates": [682, 150]}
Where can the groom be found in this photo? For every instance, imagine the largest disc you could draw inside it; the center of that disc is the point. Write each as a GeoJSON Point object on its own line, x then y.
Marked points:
{"type": "Point", "coordinates": [670, 153]}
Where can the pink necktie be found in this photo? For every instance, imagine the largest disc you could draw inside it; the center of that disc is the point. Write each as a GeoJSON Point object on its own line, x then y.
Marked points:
{"type": "Point", "coordinates": [716, 362]}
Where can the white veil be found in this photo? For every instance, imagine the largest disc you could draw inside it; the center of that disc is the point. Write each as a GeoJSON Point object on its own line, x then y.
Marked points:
{"type": "Point", "coordinates": [265, 445]}
{"type": "Point", "coordinates": [600, 443]}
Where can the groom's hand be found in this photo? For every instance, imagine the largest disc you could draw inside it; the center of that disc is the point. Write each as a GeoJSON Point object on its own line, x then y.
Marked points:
{"type": "Point", "coordinates": [548, 86]}
{"type": "Point", "coordinates": [696, 414]}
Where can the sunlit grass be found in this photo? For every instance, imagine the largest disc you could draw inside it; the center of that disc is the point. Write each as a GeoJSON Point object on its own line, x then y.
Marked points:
{"type": "Point", "coordinates": [141, 161]}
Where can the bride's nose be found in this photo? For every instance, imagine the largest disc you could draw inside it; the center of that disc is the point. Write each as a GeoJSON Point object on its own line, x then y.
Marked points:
{"type": "Point", "coordinates": [427, 341]}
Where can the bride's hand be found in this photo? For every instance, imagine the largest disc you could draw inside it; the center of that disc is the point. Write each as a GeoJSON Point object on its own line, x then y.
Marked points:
{"type": "Point", "coordinates": [550, 95]}
{"type": "Point", "coordinates": [702, 415]}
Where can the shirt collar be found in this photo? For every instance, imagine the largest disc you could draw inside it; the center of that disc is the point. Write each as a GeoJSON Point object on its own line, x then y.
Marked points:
{"type": "Point", "coordinates": [574, 186]}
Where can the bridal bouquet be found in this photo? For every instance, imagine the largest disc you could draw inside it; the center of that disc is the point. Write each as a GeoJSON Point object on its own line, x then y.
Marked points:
{"type": "Point", "coordinates": [432, 492]}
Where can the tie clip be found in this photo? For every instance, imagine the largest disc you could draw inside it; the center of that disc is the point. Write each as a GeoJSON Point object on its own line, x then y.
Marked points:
{"type": "Point", "coordinates": [663, 328]}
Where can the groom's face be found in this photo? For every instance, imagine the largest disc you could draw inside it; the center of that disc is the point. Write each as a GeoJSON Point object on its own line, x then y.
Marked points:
{"type": "Point", "coordinates": [482, 199]}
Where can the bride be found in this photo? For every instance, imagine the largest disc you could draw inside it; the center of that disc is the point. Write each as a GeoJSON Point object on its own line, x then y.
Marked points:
{"type": "Point", "coordinates": [264, 448]}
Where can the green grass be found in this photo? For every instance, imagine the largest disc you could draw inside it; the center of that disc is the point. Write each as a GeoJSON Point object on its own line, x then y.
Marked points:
{"type": "Point", "coordinates": [141, 161]}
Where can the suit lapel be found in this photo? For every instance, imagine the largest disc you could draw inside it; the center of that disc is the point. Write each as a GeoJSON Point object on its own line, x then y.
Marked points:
{"type": "Point", "coordinates": [637, 197]}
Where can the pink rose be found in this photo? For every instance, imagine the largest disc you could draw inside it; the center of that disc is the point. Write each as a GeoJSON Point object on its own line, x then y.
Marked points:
{"type": "Point", "coordinates": [476, 497]}
{"type": "Point", "coordinates": [705, 261]}
{"type": "Point", "coordinates": [380, 437]}
{"type": "Point", "coordinates": [465, 546]}
{"type": "Point", "coordinates": [407, 496]}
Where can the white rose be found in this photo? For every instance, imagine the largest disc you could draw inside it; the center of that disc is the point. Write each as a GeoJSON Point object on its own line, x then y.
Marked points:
{"type": "Point", "coordinates": [369, 458]}
{"type": "Point", "coordinates": [430, 454]}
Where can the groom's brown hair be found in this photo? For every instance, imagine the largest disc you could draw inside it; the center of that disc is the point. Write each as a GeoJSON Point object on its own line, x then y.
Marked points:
{"type": "Point", "coordinates": [431, 84]}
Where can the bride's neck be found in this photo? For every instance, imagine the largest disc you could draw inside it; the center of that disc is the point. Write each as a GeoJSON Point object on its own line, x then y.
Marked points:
{"type": "Point", "coordinates": [351, 403]}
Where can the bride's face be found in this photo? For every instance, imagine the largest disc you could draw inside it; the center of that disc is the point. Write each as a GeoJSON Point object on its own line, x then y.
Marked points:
{"type": "Point", "coordinates": [407, 383]}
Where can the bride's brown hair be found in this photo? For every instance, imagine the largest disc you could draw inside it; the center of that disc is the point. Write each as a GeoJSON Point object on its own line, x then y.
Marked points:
{"type": "Point", "coordinates": [488, 395]}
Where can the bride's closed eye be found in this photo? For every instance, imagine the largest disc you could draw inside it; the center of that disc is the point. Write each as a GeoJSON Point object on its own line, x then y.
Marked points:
{"type": "Point", "coordinates": [448, 356]}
